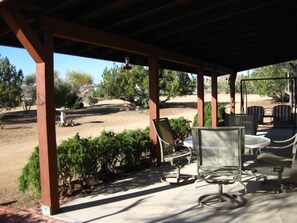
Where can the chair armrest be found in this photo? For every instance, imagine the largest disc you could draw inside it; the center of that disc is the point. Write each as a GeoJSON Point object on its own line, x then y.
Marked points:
{"type": "Point", "coordinates": [279, 147]}
{"type": "Point", "coordinates": [182, 145]}
{"type": "Point", "coordinates": [283, 141]}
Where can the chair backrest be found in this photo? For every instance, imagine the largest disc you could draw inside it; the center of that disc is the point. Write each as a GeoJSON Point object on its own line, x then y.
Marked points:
{"type": "Point", "coordinates": [248, 121]}
{"type": "Point", "coordinates": [258, 111]}
{"type": "Point", "coordinates": [218, 148]}
{"type": "Point", "coordinates": [165, 136]}
{"type": "Point", "coordinates": [294, 150]}
{"type": "Point", "coordinates": [282, 114]}
{"type": "Point", "coordinates": [292, 143]}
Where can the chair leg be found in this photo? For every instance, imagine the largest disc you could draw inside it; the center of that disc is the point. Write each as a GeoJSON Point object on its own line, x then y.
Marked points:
{"type": "Point", "coordinates": [220, 192]}
{"type": "Point", "coordinates": [178, 175]}
{"type": "Point", "coordinates": [178, 178]}
{"type": "Point", "coordinates": [222, 200]}
{"type": "Point", "coordinates": [274, 185]}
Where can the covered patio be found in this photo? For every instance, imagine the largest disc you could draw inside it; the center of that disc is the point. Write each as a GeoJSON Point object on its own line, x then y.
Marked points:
{"type": "Point", "coordinates": [143, 198]}
{"type": "Point", "coordinates": [205, 38]}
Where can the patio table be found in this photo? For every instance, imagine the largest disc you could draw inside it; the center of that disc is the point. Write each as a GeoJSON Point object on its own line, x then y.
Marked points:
{"type": "Point", "coordinates": [251, 142]}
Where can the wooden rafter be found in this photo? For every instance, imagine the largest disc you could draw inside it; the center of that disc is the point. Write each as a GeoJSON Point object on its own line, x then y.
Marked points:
{"type": "Point", "coordinates": [17, 23]}
{"type": "Point", "coordinates": [79, 33]}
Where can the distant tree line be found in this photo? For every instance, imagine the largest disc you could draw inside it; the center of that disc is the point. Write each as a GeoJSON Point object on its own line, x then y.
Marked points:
{"type": "Point", "coordinates": [131, 86]}
{"type": "Point", "coordinates": [277, 89]}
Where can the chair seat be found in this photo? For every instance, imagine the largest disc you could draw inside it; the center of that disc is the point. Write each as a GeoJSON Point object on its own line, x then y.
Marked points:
{"type": "Point", "coordinates": [220, 181]}
{"type": "Point", "coordinates": [274, 159]}
{"type": "Point", "coordinates": [217, 172]}
{"type": "Point", "coordinates": [177, 155]}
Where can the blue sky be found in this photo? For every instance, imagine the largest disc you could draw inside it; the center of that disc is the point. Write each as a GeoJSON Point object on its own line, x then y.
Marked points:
{"type": "Point", "coordinates": [21, 59]}
{"type": "Point", "coordinates": [62, 63]}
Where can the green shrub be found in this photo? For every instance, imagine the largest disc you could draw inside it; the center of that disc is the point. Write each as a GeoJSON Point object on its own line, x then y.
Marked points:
{"type": "Point", "coordinates": [90, 161]}
{"type": "Point", "coordinates": [136, 147]}
{"type": "Point", "coordinates": [1, 121]}
{"type": "Point", "coordinates": [207, 116]}
{"type": "Point", "coordinates": [30, 176]}
{"type": "Point", "coordinates": [76, 161]}
{"type": "Point", "coordinates": [181, 128]}
{"type": "Point", "coordinates": [108, 145]}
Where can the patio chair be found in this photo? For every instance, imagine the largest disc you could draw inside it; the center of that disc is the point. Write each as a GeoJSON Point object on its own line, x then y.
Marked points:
{"type": "Point", "coordinates": [282, 114]}
{"type": "Point", "coordinates": [248, 121]}
{"type": "Point", "coordinates": [177, 155]}
{"type": "Point", "coordinates": [219, 162]}
{"type": "Point", "coordinates": [258, 111]}
{"type": "Point", "coordinates": [280, 157]}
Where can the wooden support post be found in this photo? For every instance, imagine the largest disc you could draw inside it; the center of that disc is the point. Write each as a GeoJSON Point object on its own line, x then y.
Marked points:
{"type": "Point", "coordinates": [214, 99]}
{"type": "Point", "coordinates": [231, 83]}
{"type": "Point", "coordinates": [42, 54]}
{"type": "Point", "coordinates": [46, 130]}
{"type": "Point", "coordinates": [154, 105]}
{"type": "Point", "coordinates": [200, 95]}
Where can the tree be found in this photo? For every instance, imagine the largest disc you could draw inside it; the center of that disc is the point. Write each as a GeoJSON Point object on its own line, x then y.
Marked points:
{"type": "Point", "coordinates": [77, 79]}
{"type": "Point", "coordinates": [29, 91]}
{"type": "Point", "coordinates": [277, 89]}
{"type": "Point", "coordinates": [133, 86]}
{"type": "Point", "coordinates": [10, 85]}
{"type": "Point", "coordinates": [130, 86]}
{"type": "Point", "coordinates": [82, 84]}
{"type": "Point", "coordinates": [175, 83]}
{"type": "Point", "coordinates": [65, 94]}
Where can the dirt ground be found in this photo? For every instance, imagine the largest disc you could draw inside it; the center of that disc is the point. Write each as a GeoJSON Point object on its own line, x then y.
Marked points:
{"type": "Point", "coordinates": [19, 135]}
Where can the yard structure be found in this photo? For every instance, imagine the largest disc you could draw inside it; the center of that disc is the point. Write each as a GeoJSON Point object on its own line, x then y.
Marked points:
{"type": "Point", "coordinates": [208, 39]}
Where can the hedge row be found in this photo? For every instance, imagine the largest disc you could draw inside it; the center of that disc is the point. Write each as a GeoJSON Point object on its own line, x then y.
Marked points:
{"type": "Point", "coordinates": [91, 161]}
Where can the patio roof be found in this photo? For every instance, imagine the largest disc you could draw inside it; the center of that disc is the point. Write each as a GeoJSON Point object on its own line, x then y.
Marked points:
{"type": "Point", "coordinates": [234, 34]}
{"type": "Point", "coordinates": [203, 37]}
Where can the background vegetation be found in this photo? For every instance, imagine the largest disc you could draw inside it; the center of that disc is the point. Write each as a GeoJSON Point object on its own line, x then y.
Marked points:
{"type": "Point", "coordinates": [133, 85]}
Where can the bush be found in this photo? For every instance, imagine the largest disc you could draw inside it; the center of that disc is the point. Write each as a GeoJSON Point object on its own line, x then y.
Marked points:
{"type": "Point", "coordinates": [108, 145]}
{"type": "Point", "coordinates": [207, 116]}
{"type": "Point", "coordinates": [75, 161]}
{"type": "Point", "coordinates": [1, 121]}
{"type": "Point", "coordinates": [85, 162]}
{"type": "Point", "coordinates": [30, 176]}
{"type": "Point", "coordinates": [181, 128]}
{"type": "Point", "coordinates": [136, 147]}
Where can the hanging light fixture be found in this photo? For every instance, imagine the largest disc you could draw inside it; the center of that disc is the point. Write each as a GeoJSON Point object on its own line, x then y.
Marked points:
{"type": "Point", "coordinates": [127, 65]}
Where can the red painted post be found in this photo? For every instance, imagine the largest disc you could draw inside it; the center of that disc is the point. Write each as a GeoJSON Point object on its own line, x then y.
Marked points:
{"type": "Point", "coordinates": [200, 95]}
{"type": "Point", "coordinates": [46, 130]}
{"type": "Point", "coordinates": [214, 99]}
{"type": "Point", "coordinates": [232, 79]}
{"type": "Point", "coordinates": [154, 105]}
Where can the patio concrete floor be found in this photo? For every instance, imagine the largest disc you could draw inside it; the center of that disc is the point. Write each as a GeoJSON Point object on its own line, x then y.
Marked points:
{"type": "Point", "coordinates": [144, 198]}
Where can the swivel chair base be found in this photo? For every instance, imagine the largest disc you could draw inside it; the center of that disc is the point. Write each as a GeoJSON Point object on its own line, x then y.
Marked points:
{"type": "Point", "coordinates": [222, 200]}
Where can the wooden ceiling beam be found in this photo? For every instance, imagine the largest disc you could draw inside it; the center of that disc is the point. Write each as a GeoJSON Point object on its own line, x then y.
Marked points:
{"type": "Point", "coordinates": [79, 33]}
{"type": "Point", "coordinates": [25, 34]}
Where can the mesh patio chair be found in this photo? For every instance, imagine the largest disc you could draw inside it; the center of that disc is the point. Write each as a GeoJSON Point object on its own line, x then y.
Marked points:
{"type": "Point", "coordinates": [219, 152]}
{"type": "Point", "coordinates": [177, 155]}
{"type": "Point", "coordinates": [248, 121]}
{"type": "Point", "coordinates": [258, 111]}
{"type": "Point", "coordinates": [279, 157]}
